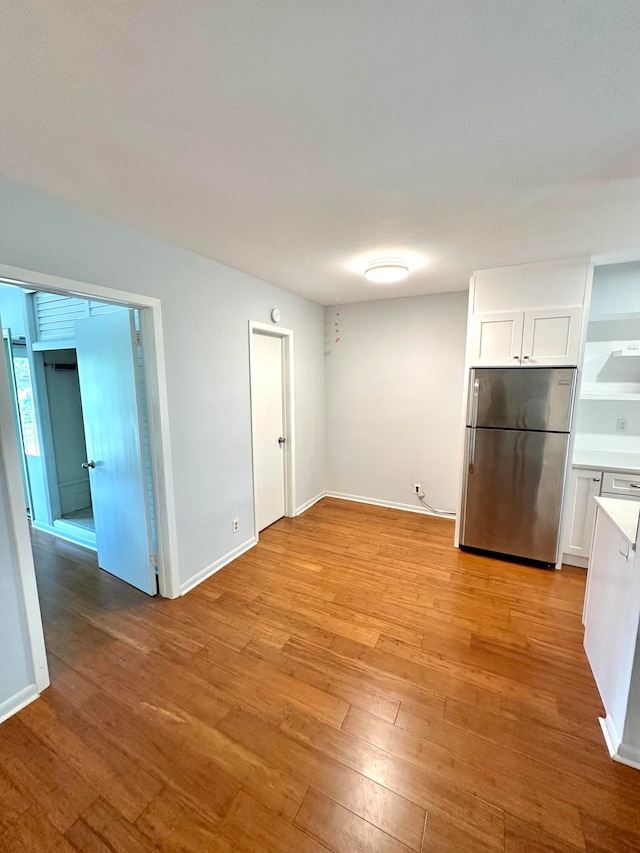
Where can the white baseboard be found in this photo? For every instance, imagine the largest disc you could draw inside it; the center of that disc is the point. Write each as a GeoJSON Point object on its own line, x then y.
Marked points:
{"type": "Point", "coordinates": [629, 755]}
{"type": "Point", "coordinates": [619, 751]}
{"type": "Point", "coordinates": [187, 586]}
{"type": "Point", "coordinates": [88, 542]}
{"type": "Point", "coordinates": [18, 701]}
{"type": "Point", "coordinates": [309, 504]}
{"type": "Point", "coordinates": [391, 504]}
{"type": "Point", "coordinates": [571, 560]}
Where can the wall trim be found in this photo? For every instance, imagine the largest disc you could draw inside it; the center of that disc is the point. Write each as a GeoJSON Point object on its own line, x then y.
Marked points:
{"type": "Point", "coordinates": [64, 530]}
{"type": "Point", "coordinates": [629, 755]}
{"type": "Point", "coordinates": [205, 573]}
{"type": "Point", "coordinates": [390, 504]}
{"type": "Point", "coordinates": [308, 504]}
{"type": "Point", "coordinates": [574, 560]}
{"type": "Point", "coordinates": [152, 330]}
{"type": "Point", "coordinates": [619, 751]}
{"type": "Point", "coordinates": [288, 394]}
{"type": "Point", "coordinates": [611, 736]}
{"type": "Point", "coordinates": [11, 474]}
{"type": "Point", "coordinates": [18, 701]}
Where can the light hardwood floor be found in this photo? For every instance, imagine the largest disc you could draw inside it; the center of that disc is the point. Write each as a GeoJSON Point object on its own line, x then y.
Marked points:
{"type": "Point", "coordinates": [352, 684]}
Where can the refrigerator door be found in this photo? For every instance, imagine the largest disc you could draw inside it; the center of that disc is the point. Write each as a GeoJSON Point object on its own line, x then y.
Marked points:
{"type": "Point", "coordinates": [531, 398]}
{"type": "Point", "coordinates": [513, 492]}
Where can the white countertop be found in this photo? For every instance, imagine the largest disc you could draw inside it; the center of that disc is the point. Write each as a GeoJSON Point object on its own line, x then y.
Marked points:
{"type": "Point", "coordinates": [623, 514]}
{"type": "Point", "coordinates": [607, 460]}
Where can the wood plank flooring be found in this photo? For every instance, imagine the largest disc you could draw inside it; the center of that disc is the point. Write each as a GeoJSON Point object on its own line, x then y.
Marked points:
{"type": "Point", "coordinates": [352, 684]}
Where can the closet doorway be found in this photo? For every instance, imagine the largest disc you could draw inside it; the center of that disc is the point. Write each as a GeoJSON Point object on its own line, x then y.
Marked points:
{"type": "Point", "coordinates": [82, 421]}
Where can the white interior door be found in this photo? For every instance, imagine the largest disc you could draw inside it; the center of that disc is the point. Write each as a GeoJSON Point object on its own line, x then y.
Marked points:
{"type": "Point", "coordinates": [107, 359]}
{"type": "Point", "coordinates": [267, 410]}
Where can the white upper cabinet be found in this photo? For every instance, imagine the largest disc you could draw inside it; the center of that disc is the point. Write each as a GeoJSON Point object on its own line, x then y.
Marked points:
{"type": "Point", "coordinates": [537, 338]}
{"type": "Point", "coordinates": [497, 339]}
{"type": "Point", "coordinates": [530, 287]}
{"type": "Point", "coordinates": [551, 337]}
{"type": "Point", "coordinates": [529, 316]}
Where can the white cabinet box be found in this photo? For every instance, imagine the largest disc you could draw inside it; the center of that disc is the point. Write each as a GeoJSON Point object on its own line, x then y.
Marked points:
{"type": "Point", "coordinates": [611, 617]}
{"type": "Point", "coordinates": [548, 337]}
{"type": "Point", "coordinates": [579, 515]}
{"type": "Point", "coordinates": [531, 286]}
{"type": "Point", "coordinates": [621, 485]}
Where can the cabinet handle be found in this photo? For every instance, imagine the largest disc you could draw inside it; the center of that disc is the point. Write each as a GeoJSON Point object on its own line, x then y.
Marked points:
{"type": "Point", "coordinates": [517, 357]}
{"type": "Point", "coordinates": [596, 480]}
{"type": "Point", "coordinates": [525, 357]}
{"type": "Point", "coordinates": [634, 485]}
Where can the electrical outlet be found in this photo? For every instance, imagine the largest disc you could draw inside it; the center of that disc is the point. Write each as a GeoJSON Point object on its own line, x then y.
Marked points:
{"type": "Point", "coordinates": [621, 424]}
{"type": "Point", "coordinates": [417, 487]}
{"type": "Point", "coordinates": [236, 525]}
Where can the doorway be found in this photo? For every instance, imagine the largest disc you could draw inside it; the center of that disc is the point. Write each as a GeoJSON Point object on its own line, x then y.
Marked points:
{"type": "Point", "coordinates": [68, 445]}
{"type": "Point", "coordinates": [50, 319]}
{"type": "Point", "coordinates": [92, 482]}
{"type": "Point", "coordinates": [272, 423]}
{"type": "Point", "coordinates": [13, 511]}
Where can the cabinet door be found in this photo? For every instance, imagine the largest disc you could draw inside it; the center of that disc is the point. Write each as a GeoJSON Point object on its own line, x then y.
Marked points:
{"type": "Point", "coordinates": [551, 337]}
{"type": "Point", "coordinates": [580, 513]}
{"type": "Point", "coordinates": [611, 617]}
{"type": "Point", "coordinates": [496, 339]}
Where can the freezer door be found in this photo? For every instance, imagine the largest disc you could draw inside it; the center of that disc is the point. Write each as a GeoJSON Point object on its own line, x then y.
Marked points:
{"type": "Point", "coordinates": [522, 398]}
{"type": "Point", "coordinates": [513, 492]}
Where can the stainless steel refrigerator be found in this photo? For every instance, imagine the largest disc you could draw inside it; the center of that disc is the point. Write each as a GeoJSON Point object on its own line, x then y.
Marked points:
{"type": "Point", "coordinates": [517, 441]}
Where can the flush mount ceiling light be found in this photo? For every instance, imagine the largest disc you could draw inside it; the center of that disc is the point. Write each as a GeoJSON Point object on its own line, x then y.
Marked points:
{"type": "Point", "coordinates": [387, 270]}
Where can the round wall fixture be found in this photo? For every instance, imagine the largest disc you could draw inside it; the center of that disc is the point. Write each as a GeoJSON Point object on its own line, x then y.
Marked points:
{"type": "Point", "coordinates": [387, 270]}
{"type": "Point", "coordinates": [275, 315]}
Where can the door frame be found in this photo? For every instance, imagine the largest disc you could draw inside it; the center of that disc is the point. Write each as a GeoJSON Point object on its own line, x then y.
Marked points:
{"type": "Point", "coordinates": [6, 336]}
{"type": "Point", "coordinates": [151, 332]}
{"type": "Point", "coordinates": [286, 337]}
{"type": "Point", "coordinates": [19, 526]}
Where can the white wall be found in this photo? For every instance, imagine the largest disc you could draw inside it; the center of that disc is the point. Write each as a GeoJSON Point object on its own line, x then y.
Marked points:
{"type": "Point", "coordinates": [610, 388]}
{"type": "Point", "coordinates": [394, 399]}
{"type": "Point", "coordinates": [12, 309]}
{"type": "Point", "coordinates": [616, 289]}
{"type": "Point", "coordinates": [206, 309]}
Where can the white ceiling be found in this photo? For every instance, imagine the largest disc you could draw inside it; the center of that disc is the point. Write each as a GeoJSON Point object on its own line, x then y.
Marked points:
{"type": "Point", "coordinates": [296, 139]}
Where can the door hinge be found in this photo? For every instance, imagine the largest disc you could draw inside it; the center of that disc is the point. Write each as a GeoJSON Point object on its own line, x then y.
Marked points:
{"type": "Point", "coordinates": [137, 338]}
{"type": "Point", "coordinates": [153, 562]}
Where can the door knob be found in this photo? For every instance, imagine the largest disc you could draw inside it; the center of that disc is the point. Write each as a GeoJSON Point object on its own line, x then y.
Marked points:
{"type": "Point", "coordinates": [90, 464]}
{"type": "Point", "coordinates": [281, 441]}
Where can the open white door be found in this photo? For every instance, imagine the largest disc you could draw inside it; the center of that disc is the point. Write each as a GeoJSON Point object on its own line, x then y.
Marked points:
{"type": "Point", "coordinates": [111, 407]}
{"type": "Point", "coordinates": [267, 411]}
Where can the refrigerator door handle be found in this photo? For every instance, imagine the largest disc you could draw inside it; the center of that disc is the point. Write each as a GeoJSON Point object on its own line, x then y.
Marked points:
{"type": "Point", "coordinates": [472, 450]}
{"type": "Point", "coordinates": [474, 410]}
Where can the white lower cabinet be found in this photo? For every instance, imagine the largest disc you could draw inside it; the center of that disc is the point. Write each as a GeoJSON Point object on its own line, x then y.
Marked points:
{"type": "Point", "coordinates": [611, 616]}
{"type": "Point", "coordinates": [609, 628]}
{"type": "Point", "coordinates": [579, 515]}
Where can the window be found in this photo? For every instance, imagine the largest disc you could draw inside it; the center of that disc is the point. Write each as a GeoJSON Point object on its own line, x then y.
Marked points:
{"type": "Point", "coordinates": [26, 407]}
